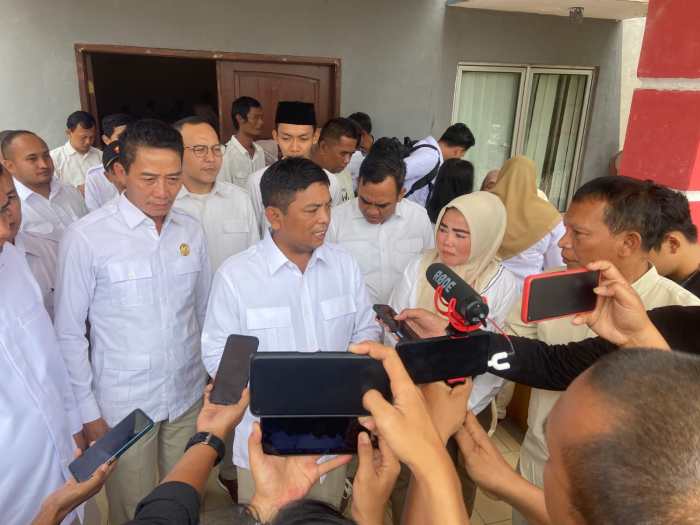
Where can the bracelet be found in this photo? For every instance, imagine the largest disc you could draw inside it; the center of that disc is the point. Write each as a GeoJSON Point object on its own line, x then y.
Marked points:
{"type": "Point", "coordinates": [210, 439]}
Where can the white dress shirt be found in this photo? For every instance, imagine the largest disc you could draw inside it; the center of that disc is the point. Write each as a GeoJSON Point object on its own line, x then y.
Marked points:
{"type": "Point", "coordinates": [500, 293]}
{"type": "Point", "coordinates": [541, 256]}
{"type": "Point", "coordinates": [38, 415]}
{"type": "Point", "coordinates": [382, 250]}
{"type": "Point", "coordinates": [50, 217]}
{"type": "Point", "coordinates": [256, 196]}
{"type": "Point", "coordinates": [71, 166]}
{"type": "Point", "coordinates": [420, 163]}
{"type": "Point", "coordinates": [98, 190]}
{"type": "Point", "coordinates": [323, 309]}
{"type": "Point", "coordinates": [145, 296]}
{"type": "Point", "coordinates": [41, 254]}
{"type": "Point", "coordinates": [227, 217]}
{"type": "Point", "coordinates": [238, 165]}
{"type": "Point", "coordinates": [354, 167]}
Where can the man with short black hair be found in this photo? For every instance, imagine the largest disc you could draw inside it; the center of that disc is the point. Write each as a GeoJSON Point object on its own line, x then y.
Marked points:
{"type": "Point", "coordinates": [314, 296]}
{"type": "Point", "coordinates": [223, 209]}
{"type": "Point", "coordinates": [77, 155]}
{"type": "Point", "coordinates": [338, 140]}
{"type": "Point", "coordinates": [381, 229]}
{"type": "Point", "coordinates": [295, 133]}
{"type": "Point", "coordinates": [427, 156]}
{"type": "Point", "coordinates": [138, 271]}
{"type": "Point", "coordinates": [364, 121]}
{"type": "Point", "coordinates": [49, 205]}
{"type": "Point", "coordinates": [99, 186]}
{"type": "Point", "coordinates": [243, 156]}
{"type": "Point", "coordinates": [609, 218]}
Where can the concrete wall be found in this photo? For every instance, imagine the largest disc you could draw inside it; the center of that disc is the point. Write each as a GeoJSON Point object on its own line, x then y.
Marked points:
{"type": "Point", "coordinates": [399, 59]}
{"type": "Point", "coordinates": [631, 48]}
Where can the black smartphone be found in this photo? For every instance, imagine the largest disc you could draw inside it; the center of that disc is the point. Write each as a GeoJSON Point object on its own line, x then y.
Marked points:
{"type": "Point", "coordinates": [112, 445]}
{"type": "Point", "coordinates": [232, 374]}
{"type": "Point", "coordinates": [558, 294]}
{"type": "Point", "coordinates": [289, 436]}
{"type": "Point", "coordinates": [400, 328]}
{"type": "Point", "coordinates": [321, 384]}
{"type": "Point", "coordinates": [445, 358]}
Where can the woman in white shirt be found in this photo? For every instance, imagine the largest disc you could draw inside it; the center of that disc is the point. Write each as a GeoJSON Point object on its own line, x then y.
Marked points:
{"type": "Point", "coordinates": [530, 243]}
{"type": "Point", "coordinates": [468, 234]}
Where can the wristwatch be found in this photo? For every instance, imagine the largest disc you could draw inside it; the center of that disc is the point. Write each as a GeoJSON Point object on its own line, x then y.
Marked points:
{"type": "Point", "coordinates": [209, 439]}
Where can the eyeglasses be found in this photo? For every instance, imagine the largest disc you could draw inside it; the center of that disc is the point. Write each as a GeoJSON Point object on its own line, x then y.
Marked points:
{"type": "Point", "coordinates": [200, 150]}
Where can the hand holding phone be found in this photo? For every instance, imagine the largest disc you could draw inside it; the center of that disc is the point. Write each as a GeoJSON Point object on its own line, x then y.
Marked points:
{"type": "Point", "coordinates": [386, 315]}
{"type": "Point", "coordinates": [558, 294]}
{"type": "Point", "coordinates": [232, 374]}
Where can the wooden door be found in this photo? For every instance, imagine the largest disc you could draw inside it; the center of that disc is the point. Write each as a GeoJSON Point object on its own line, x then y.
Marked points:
{"type": "Point", "coordinates": [275, 80]}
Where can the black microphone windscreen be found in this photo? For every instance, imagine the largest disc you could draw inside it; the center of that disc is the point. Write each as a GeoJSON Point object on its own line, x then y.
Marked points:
{"type": "Point", "coordinates": [469, 303]}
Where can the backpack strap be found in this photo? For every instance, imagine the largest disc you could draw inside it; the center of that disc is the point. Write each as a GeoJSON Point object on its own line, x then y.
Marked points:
{"type": "Point", "coordinates": [427, 179]}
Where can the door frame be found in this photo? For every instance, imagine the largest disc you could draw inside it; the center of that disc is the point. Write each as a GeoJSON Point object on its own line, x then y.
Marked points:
{"type": "Point", "coordinates": [84, 52]}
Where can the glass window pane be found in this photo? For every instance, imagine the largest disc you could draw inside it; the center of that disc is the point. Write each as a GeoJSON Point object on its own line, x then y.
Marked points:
{"type": "Point", "coordinates": [488, 103]}
{"type": "Point", "coordinates": [551, 134]}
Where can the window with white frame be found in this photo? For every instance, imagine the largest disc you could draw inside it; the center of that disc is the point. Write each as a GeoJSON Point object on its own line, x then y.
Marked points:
{"type": "Point", "coordinates": [537, 111]}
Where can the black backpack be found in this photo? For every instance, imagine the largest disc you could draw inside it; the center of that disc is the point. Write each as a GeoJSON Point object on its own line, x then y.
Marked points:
{"type": "Point", "coordinates": [408, 148]}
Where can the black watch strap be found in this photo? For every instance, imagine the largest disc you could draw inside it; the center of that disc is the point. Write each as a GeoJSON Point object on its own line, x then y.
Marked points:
{"type": "Point", "coordinates": [209, 439]}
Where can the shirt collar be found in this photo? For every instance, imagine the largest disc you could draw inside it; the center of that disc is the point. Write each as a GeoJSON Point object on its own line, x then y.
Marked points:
{"type": "Point", "coordinates": [646, 282]}
{"type": "Point", "coordinates": [218, 189]}
{"type": "Point", "coordinates": [134, 216]}
{"type": "Point", "coordinates": [70, 150]}
{"type": "Point", "coordinates": [276, 259]}
{"type": "Point", "coordinates": [24, 192]}
{"type": "Point", "coordinates": [235, 143]}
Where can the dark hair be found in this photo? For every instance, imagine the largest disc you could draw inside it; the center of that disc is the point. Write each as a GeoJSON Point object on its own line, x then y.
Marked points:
{"type": "Point", "coordinates": [458, 135]}
{"type": "Point", "coordinates": [363, 120]}
{"type": "Point", "coordinates": [671, 213]}
{"type": "Point", "coordinates": [645, 469]}
{"type": "Point", "coordinates": [339, 127]}
{"type": "Point", "coordinates": [191, 121]}
{"type": "Point", "coordinates": [4, 133]}
{"type": "Point", "coordinates": [385, 159]}
{"type": "Point", "coordinates": [148, 133]}
{"type": "Point", "coordinates": [83, 118]}
{"type": "Point", "coordinates": [310, 512]}
{"type": "Point", "coordinates": [241, 107]}
{"type": "Point", "coordinates": [631, 204]}
{"type": "Point", "coordinates": [114, 121]}
{"type": "Point", "coordinates": [455, 178]}
{"type": "Point", "coordinates": [283, 179]}
{"type": "Point", "coordinates": [9, 137]}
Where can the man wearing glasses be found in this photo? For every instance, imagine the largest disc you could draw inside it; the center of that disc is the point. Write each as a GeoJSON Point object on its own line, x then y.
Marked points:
{"type": "Point", "coordinates": [224, 210]}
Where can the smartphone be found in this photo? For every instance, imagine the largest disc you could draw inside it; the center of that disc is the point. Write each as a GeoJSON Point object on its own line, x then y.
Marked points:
{"type": "Point", "coordinates": [400, 328]}
{"type": "Point", "coordinates": [232, 374]}
{"type": "Point", "coordinates": [290, 436]}
{"type": "Point", "coordinates": [558, 294]}
{"type": "Point", "coordinates": [321, 384]}
{"type": "Point", "coordinates": [445, 358]}
{"type": "Point", "coordinates": [112, 445]}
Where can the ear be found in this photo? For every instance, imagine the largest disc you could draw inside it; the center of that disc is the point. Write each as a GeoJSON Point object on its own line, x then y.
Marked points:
{"type": "Point", "coordinates": [68, 132]}
{"type": "Point", "coordinates": [275, 216]}
{"type": "Point", "coordinates": [118, 169]}
{"type": "Point", "coordinates": [317, 134]}
{"type": "Point", "coordinates": [631, 242]}
{"type": "Point", "coordinates": [673, 242]}
{"type": "Point", "coordinates": [274, 134]}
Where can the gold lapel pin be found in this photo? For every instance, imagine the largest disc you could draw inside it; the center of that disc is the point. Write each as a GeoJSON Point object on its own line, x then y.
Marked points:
{"type": "Point", "coordinates": [184, 249]}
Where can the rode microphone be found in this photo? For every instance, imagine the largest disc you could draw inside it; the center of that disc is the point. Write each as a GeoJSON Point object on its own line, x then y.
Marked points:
{"type": "Point", "coordinates": [466, 309]}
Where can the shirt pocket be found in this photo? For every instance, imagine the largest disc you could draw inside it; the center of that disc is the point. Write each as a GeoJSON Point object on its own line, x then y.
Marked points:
{"type": "Point", "coordinates": [125, 378]}
{"type": "Point", "coordinates": [131, 282]}
{"type": "Point", "coordinates": [272, 326]}
{"type": "Point", "coordinates": [405, 251]}
{"type": "Point", "coordinates": [186, 270]}
{"type": "Point", "coordinates": [339, 319]}
{"type": "Point", "coordinates": [233, 227]}
{"type": "Point", "coordinates": [365, 253]}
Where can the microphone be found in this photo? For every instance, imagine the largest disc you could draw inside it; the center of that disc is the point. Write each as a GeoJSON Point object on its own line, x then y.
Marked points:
{"type": "Point", "coordinates": [468, 303]}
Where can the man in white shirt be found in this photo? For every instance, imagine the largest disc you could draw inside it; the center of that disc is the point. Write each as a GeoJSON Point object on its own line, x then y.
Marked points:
{"type": "Point", "coordinates": [49, 206]}
{"type": "Point", "coordinates": [338, 140]}
{"type": "Point", "coordinates": [77, 155]}
{"type": "Point", "coordinates": [295, 133]}
{"type": "Point", "coordinates": [609, 218]}
{"type": "Point", "coordinates": [40, 421]}
{"type": "Point", "coordinates": [100, 187]}
{"type": "Point", "coordinates": [381, 229]}
{"type": "Point", "coordinates": [365, 122]}
{"type": "Point", "coordinates": [427, 156]}
{"type": "Point", "coordinates": [243, 156]}
{"type": "Point", "coordinates": [314, 296]}
{"type": "Point", "coordinates": [223, 209]}
{"type": "Point", "coordinates": [138, 271]}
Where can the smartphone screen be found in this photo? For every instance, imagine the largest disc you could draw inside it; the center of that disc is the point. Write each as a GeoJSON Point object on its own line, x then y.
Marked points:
{"type": "Point", "coordinates": [321, 384]}
{"type": "Point", "coordinates": [400, 328]}
{"type": "Point", "coordinates": [560, 294]}
{"type": "Point", "coordinates": [287, 436]}
{"type": "Point", "coordinates": [112, 445]}
{"type": "Point", "coordinates": [232, 374]}
{"type": "Point", "coordinates": [445, 358]}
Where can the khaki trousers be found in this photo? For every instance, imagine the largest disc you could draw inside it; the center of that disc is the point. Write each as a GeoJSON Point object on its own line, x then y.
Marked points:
{"type": "Point", "coordinates": [330, 491]}
{"type": "Point", "coordinates": [142, 467]}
